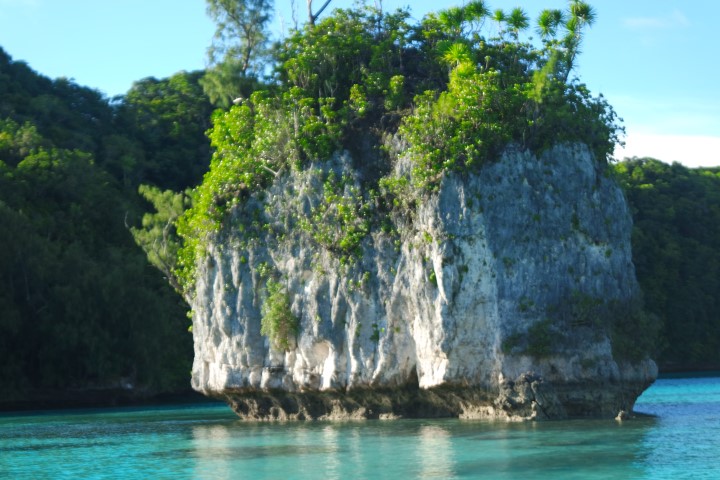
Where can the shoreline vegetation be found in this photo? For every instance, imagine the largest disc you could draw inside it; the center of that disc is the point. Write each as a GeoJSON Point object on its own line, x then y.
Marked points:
{"type": "Point", "coordinates": [84, 180]}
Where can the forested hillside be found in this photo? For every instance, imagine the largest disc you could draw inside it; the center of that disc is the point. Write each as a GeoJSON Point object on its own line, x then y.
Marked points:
{"type": "Point", "coordinates": [80, 307]}
{"type": "Point", "coordinates": [676, 251]}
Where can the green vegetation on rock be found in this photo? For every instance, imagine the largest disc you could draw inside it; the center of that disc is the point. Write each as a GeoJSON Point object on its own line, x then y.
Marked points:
{"type": "Point", "coordinates": [353, 81]}
{"type": "Point", "coordinates": [634, 332]}
{"type": "Point", "coordinates": [278, 323]}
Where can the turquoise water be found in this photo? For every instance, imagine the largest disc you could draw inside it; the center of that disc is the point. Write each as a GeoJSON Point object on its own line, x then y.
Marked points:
{"type": "Point", "coordinates": [207, 441]}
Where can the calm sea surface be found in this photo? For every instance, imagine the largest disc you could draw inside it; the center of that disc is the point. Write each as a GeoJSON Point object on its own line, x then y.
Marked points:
{"type": "Point", "coordinates": [207, 441]}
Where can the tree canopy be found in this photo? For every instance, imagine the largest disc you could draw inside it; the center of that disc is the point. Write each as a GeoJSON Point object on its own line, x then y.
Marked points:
{"type": "Point", "coordinates": [676, 252]}
{"type": "Point", "coordinates": [164, 123]}
{"type": "Point", "coordinates": [80, 306]}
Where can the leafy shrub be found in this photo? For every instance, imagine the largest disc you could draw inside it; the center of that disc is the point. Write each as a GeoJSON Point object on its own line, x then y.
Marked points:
{"type": "Point", "coordinates": [632, 331]}
{"type": "Point", "coordinates": [503, 91]}
{"type": "Point", "coordinates": [253, 142]}
{"type": "Point", "coordinates": [278, 322]}
{"type": "Point", "coordinates": [541, 339]}
{"type": "Point", "coordinates": [459, 128]}
{"type": "Point", "coordinates": [342, 220]}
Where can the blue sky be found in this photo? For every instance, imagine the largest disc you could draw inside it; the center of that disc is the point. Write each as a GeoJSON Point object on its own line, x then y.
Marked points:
{"type": "Point", "coordinates": [655, 60]}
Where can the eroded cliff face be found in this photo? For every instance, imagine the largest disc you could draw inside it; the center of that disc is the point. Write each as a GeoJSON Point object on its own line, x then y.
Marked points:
{"type": "Point", "coordinates": [498, 297]}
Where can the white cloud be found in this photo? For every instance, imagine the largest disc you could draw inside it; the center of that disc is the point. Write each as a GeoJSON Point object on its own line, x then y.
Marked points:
{"type": "Point", "coordinates": [643, 22]}
{"type": "Point", "coordinates": [690, 150]}
{"type": "Point", "coordinates": [672, 20]}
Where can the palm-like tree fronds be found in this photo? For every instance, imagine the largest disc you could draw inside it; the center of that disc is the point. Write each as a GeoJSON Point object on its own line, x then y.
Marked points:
{"type": "Point", "coordinates": [518, 19]}
{"type": "Point", "coordinates": [548, 23]}
{"type": "Point", "coordinates": [457, 53]}
{"type": "Point", "coordinates": [583, 13]}
{"type": "Point", "coordinates": [476, 11]}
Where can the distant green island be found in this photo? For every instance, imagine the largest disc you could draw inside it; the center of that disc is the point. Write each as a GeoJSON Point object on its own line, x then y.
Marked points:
{"type": "Point", "coordinates": [111, 208]}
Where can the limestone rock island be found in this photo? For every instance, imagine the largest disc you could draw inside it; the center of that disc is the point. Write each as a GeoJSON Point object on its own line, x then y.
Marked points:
{"type": "Point", "coordinates": [500, 302]}
{"type": "Point", "coordinates": [438, 237]}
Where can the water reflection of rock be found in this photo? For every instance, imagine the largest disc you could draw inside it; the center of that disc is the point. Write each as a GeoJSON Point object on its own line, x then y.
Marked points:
{"type": "Point", "coordinates": [213, 451]}
{"type": "Point", "coordinates": [332, 465]}
{"type": "Point", "coordinates": [435, 453]}
{"type": "Point", "coordinates": [240, 450]}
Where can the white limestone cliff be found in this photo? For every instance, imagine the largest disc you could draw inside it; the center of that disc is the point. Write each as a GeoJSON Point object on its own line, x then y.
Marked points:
{"type": "Point", "coordinates": [496, 300]}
